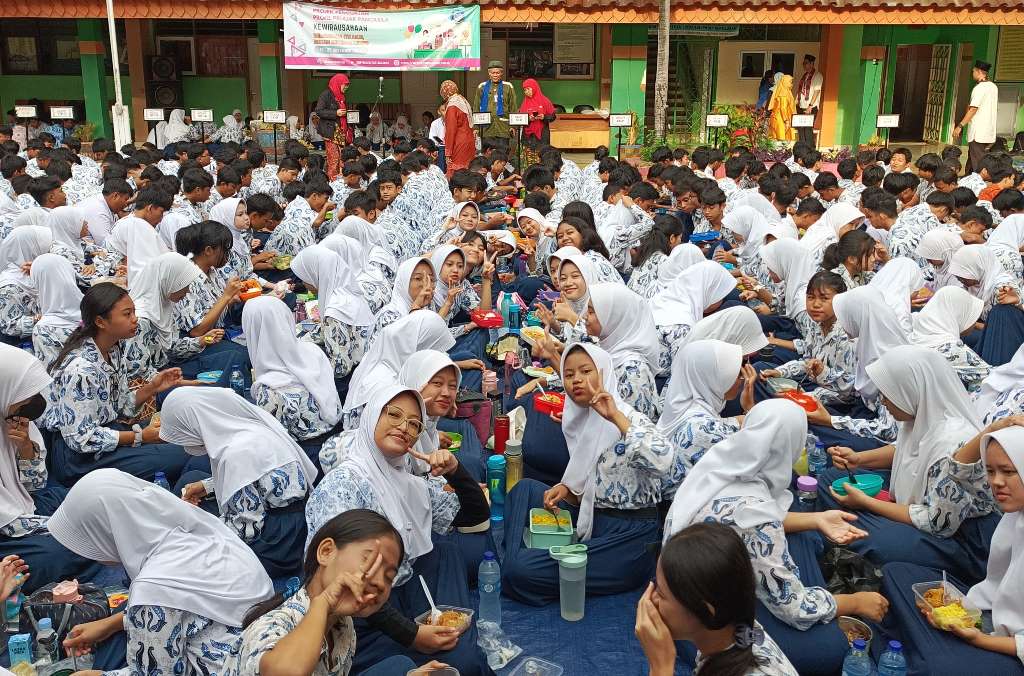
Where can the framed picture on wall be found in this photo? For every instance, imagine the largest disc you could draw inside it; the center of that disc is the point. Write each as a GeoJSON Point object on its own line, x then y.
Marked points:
{"type": "Point", "coordinates": [183, 49]}
{"type": "Point", "coordinates": [21, 55]}
{"type": "Point", "coordinates": [752, 65]}
{"type": "Point", "coordinates": [575, 71]}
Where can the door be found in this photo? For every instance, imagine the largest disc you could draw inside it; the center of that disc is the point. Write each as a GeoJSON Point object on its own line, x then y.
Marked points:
{"type": "Point", "coordinates": [913, 65]}
{"type": "Point", "coordinates": [935, 104]}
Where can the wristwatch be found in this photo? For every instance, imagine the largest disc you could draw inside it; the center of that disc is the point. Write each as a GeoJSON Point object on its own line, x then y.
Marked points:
{"type": "Point", "coordinates": [138, 436]}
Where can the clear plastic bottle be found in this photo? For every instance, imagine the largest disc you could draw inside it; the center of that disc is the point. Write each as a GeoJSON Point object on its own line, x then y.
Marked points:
{"type": "Point", "coordinates": [496, 486]}
{"type": "Point", "coordinates": [892, 662]}
{"type": "Point", "coordinates": [807, 490]}
{"type": "Point", "coordinates": [238, 382]}
{"type": "Point", "coordinates": [489, 585]}
{"type": "Point", "coordinates": [817, 458]}
{"type": "Point", "coordinates": [45, 650]}
{"type": "Point", "coordinates": [857, 662]}
{"type": "Point", "coordinates": [161, 480]}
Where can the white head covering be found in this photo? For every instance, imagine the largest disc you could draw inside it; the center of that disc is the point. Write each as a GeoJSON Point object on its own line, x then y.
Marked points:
{"type": "Point", "coordinates": [759, 203]}
{"type": "Point", "coordinates": [22, 245]}
{"type": "Point", "coordinates": [863, 314]}
{"type": "Point", "coordinates": [746, 222]}
{"type": "Point", "coordinates": [59, 296]}
{"type": "Point", "coordinates": [560, 255]}
{"type": "Point", "coordinates": [685, 298]}
{"type": "Point", "coordinates": [142, 243]}
{"type": "Point", "coordinates": [826, 230]}
{"type": "Point", "coordinates": [176, 127]}
{"type": "Point", "coordinates": [587, 436]}
{"type": "Point", "coordinates": [403, 496]}
{"type": "Point", "coordinates": [545, 226]}
{"type": "Point", "coordinates": [627, 326]}
{"type": "Point", "coordinates": [176, 555]}
{"type": "Point", "coordinates": [21, 376]}
{"type": "Point", "coordinates": [350, 250]}
{"type": "Point", "coordinates": [755, 462]}
{"type": "Point", "coordinates": [1009, 234]}
{"type": "Point", "coordinates": [372, 238]}
{"type": "Point", "coordinates": [65, 224]}
{"type": "Point", "coordinates": [736, 325]}
{"type": "Point", "coordinates": [162, 276]}
{"type": "Point", "coordinates": [679, 259]}
{"type": "Point", "coordinates": [244, 442]}
{"type": "Point", "coordinates": [978, 262]}
{"type": "Point", "coordinates": [224, 213]}
{"type": "Point", "coordinates": [169, 226]}
{"type": "Point", "coordinates": [421, 330]}
{"type": "Point", "coordinates": [1000, 379]}
{"type": "Point", "coordinates": [33, 216]}
{"type": "Point", "coordinates": [401, 302]}
{"type": "Point", "coordinates": [503, 236]}
{"type": "Point", "coordinates": [279, 359]}
{"type": "Point", "coordinates": [920, 382]}
{"type": "Point", "coordinates": [1000, 590]}
{"type": "Point", "coordinates": [702, 372]}
{"type": "Point", "coordinates": [948, 313]}
{"type": "Point", "coordinates": [158, 135]}
{"type": "Point", "coordinates": [437, 260]}
{"type": "Point", "coordinates": [589, 274]}
{"type": "Point", "coordinates": [795, 266]}
{"type": "Point", "coordinates": [420, 368]}
{"type": "Point", "coordinates": [339, 292]}
{"type": "Point", "coordinates": [940, 245]}
{"type": "Point", "coordinates": [896, 281]}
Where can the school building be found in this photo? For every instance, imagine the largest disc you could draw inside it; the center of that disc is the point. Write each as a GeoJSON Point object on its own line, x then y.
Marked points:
{"type": "Point", "coordinates": [911, 58]}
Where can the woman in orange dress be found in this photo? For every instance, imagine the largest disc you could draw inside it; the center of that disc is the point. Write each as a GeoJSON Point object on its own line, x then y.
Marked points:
{"type": "Point", "coordinates": [459, 143]}
{"type": "Point", "coordinates": [781, 108]}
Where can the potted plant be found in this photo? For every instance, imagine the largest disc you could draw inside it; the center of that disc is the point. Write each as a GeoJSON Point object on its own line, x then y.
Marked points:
{"type": "Point", "coordinates": [632, 149]}
{"type": "Point", "coordinates": [873, 143]}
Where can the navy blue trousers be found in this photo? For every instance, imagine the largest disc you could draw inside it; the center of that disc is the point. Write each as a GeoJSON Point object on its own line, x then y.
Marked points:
{"type": "Point", "coordinates": [470, 346]}
{"type": "Point", "coordinates": [1003, 334]}
{"type": "Point", "coordinates": [225, 356]}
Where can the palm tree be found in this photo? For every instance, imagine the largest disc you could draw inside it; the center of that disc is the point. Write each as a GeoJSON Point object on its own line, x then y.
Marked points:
{"type": "Point", "coordinates": [661, 76]}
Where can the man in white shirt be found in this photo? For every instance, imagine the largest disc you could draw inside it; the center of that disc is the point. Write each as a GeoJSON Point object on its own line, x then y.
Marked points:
{"type": "Point", "coordinates": [101, 212]}
{"type": "Point", "coordinates": [808, 97]}
{"type": "Point", "coordinates": [980, 115]}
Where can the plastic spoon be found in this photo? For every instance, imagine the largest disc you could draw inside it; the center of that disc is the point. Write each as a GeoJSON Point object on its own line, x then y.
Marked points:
{"type": "Point", "coordinates": [944, 583]}
{"type": "Point", "coordinates": [435, 614]}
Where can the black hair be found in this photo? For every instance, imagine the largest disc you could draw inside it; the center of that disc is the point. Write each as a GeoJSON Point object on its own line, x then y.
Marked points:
{"type": "Point", "coordinates": [711, 196]}
{"type": "Point", "coordinates": [243, 167]}
{"type": "Point", "coordinates": [894, 183]}
{"type": "Point", "coordinates": [591, 240]}
{"type": "Point", "coordinates": [256, 156]}
{"type": "Point", "coordinates": [600, 153]}
{"type": "Point", "coordinates": [355, 525]}
{"type": "Point", "coordinates": [785, 195]}
{"type": "Point", "coordinates": [800, 181]}
{"type": "Point", "coordinates": [369, 163]}
{"type": "Point", "coordinates": [883, 155]}
{"type": "Point", "coordinates": [538, 201]}
{"type": "Point", "coordinates": [658, 238]}
{"type": "Point", "coordinates": [881, 202]}
{"type": "Point", "coordinates": [117, 186]}
{"type": "Point", "coordinates": [654, 171]}
{"type": "Point", "coordinates": [363, 143]}
{"type": "Point", "coordinates": [950, 153]}
{"type": "Point", "coordinates": [75, 146]}
{"type": "Point", "coordinates": [581, 210]}
{"type": "Point", "coordinates": [228, 176]}
{"type": "Point", "coordinates": [853, 244]}
{"type": "Point", "coordinates": [39, 187]}
{"type": "Point", "coordinates": [360, 199]}
{"type": "Point", "coordinates": [872, 176]}
{"type": "Point", "coordinates": [847, 168]}
{"type": "Point", "coordinates": [9, 147]}
{"type": "Point", "coordinates": [823, 280]}
{"type": "Point", "coordinates": [402, 148]}
{"type": "Point", "coordinates": [6, 130]}
{"type": "Point", "coordinates": [195, 179]}
{"type": "Point", "coordinates": [21, 183]}
{"type": "Point", "coordinates": [809, 158]}
{"type": "Point", "coordinates": [779, 172]}
{"type": "Point", "coordinates": [701, 157]}
{"type": "Point", "coordinates": [643, 191]}
{"type": "Point", "coordinates": [929, 162]}
{"type": "Point", "coordinates": [169, 184]}
{"type": "Point", "coordinates": [963, 197]}
{"type": "Point", "coordinates": [10, 165]}
{"type": "Point", "coordinates": [115, 171]}
{"type": "Point", "coordinates": [944, 174]}
{"type": "Point", "coordinates": [810, 206]}
{"type": "Point", "coordinates": [680, 153]}
{"type": "Point", "coordinates": [318, 187]}
{"type": "Point", "coordinates": [538, 177]}
{"type": "Point", "coordinates": [289, 164]}
{"type": "Point", "coordinates": [625, 173]}
{"type": "Point", "coordinates": [195, 150]}
{"type": "Point", "coordinates": [661, 154]}
{"type": "Point", "coordinates": [292, 190]}
{"type": "Point", "coordinates": [941, 199]}
{"type": "Point", "coordinates": [426, 144]}
{"type": "Point", "coordinates": [97, 302]}
{"type": "Point", "coordinates": [349, 154]}
{"type": "Point", "coordinates": [261, 203]}
{"type": "Point", "coordinates": [707, 569]}
{"type": "Point", "coordinates": [350, 168]}
{"type": "Point", "coordinates": [225, 155]}
{"type": "Point", "coordinates": [298, 151]}
{"type": "Point", "coordinates": [388, 176]}
{"type": "Point", "coordinates": [1009, 199]}
{"type": "Point", "coordinates": [975, 213]}
{"type": "Point", "coordinates": [905, 152]}
{"type": "Point", "coordinates": [192, 240]}
{"type": "Point", "coordinates": [735, 167]}
{"type": "Point", "coordinates": [826, 180]}
{"type": "Point", "coordinates": [59, 169]}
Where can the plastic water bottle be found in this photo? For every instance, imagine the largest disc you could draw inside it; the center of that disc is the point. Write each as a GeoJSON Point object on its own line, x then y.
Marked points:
{"type": "Point", "coordinates": [857, 662]}
{"type": "Point", "coordinates": [514, 323]}
{"type": "Point", "coordinates": [489, 586]}
{"type": "Point", "coordinates": [161, 480]}
{"type": "Point", "coordinates": [817, 458]}
{"type": "Point", "coordinates": [496, 486]}
{"type": "Point", "coordinates": [238, 383]}
{"type": "Point", "coordinates": [45, 651]}
{"type": "Point", "coordinates": [892, 662]}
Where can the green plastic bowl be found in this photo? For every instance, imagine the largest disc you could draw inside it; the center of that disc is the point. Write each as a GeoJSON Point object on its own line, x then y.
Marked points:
{"type": "Point", "coordinates": [456, 441]}
{"type": "Point", "coordinates": [870, 484]}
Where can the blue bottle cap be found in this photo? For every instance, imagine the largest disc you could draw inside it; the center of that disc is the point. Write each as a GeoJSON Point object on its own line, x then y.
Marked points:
{"type": "Point", "coordinates": [488, 556]}
{"type": "Point", "coordinates": [45, 624]}
{"type": "Point", "coordinates": [895, 646]}
{"type": "Point", "coordinates": [496, 462]}
{"type": "Point", "coordinates": [859, 644]}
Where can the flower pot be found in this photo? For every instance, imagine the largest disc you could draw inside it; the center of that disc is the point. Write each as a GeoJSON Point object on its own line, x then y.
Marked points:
{"type": "Point", "coordinates": [627, 151]}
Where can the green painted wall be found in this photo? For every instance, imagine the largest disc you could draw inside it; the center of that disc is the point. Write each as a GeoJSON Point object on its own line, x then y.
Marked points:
{"type": "Point", "coordinates": [627, 74]}
{"type": "Point", "coordinates": [223, 94]}
{"type": "Point", "coordinates": [848, 113]}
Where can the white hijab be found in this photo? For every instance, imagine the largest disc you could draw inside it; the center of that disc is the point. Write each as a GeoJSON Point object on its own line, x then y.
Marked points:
{"type": "Point", "coordinates": [920, 382]}
{"type": "Point", "coordinates": [978, 262]}
{"type": "Point", "coordinates": [747, 223]}
{"type": "Point", "coordinates": [65, 224]}
{"type": "Point", "coordinates": [338, 290]}
{"type": "Point", "coordinates": [795, 266]}
{"type": "Point", "coordinates": [33, 216]}
{"type": "Point", "coordinates": [736, 325]}
{"type": "Point", "coordinates": [176, 555]}
{"type": "Point", "coordinates": [587, 436]}
{"type": "Point", "coordinates": [417, 371]}
{"type": "Point", "coordinates": [164, 275]}
{"type": "Point", "coordinates": [948, 313]}
{"type": "Point", "coordinates": [401, 302]}
{"type": "Point", "coordinates": [940, 245]}
{"type": "Point", "coordinates": [826, 230]}
{"type": "Point", "coordinates": [702, 373]}
{"type": "Point", "coordinates": [546, 229]}
{"type": "Point", "coordinates": [896, 281]}
{"type": "Point", "coordinates": [421, 330]}
{"type": "Point", "coordinates": [437, 260]}
{"type": "Point", "coordinates": [402, 496]}
{"type": "Point", "coordinates": [756, 462]}
{"type": "Point", "coordinates": [372, 238]}
{"type": "Point", "coordinates": [560, 255]}
{"type": "Point", "coordinates": [685, 298]}
{"type": "Point", "coordinates": [22, 245]}
{"type": "Point", "coordinates": [244, 442]}
{"type": "Point", "coordinates": [1008, 235]}
{"type": "Point", "coordinates": [21, 376]}
{"type": "Point", "coordinates": [141, 242]}
{"type": "Point", "coordinates": [589, 274]}
{"type": "Point", "coordinates": [863, 314]}
{"type": "Point", "coordinates": [59, 296]}
{"type": "Point", "coordinates": [1000, 590]}
{"type": "Point", "coordinates": [1000, 379]}
{"type": "Point", "coordinates": [176, 128]}
{"type": "Point", "coordinates": [224, 213]}
{"type": "Point", "coordinates": [681, 258]}
{"type": "Point", "coordinates": [279, 359]}
{"type": "Point", "coordinates": [169, 226]}
{"type": "Point", "coordinates": [627, 326]}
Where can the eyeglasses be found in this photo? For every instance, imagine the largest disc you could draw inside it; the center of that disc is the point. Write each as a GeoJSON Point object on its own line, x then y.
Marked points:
{"type": "Point", "coordinates": [398, 419]}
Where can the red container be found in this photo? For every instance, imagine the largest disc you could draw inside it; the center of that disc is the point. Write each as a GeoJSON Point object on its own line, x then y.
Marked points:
{"type": "Point", "coordinates": [501, 430]}
{"type": "Point", "coordinates": [541, 405]}
{"type": "Point", "coordinates": [804, 400]}
{"type": "Point", "coordinates": [487, 319]}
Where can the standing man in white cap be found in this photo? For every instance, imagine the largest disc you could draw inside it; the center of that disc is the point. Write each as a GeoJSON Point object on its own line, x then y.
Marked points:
{"type": "Point", "coordinates": [497, 97]}
{"type": "Point", "coordinates": [981, 116]}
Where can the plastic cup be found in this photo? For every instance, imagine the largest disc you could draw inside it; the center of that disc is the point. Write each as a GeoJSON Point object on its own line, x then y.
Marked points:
{"type": "Point", "coordinates": [572, 586]}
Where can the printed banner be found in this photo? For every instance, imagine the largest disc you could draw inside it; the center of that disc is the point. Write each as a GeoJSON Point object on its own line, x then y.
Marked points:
{"type": "Point", "coordinates": [333, 37]}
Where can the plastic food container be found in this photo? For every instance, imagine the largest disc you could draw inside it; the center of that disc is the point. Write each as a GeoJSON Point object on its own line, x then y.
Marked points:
{"type": "Point", "coordinates": [533, 319]}
{"type": "Point", "coordinates": [870, 484]}
{"type": "Point", "coordinates": [444, 671]}
{"type": "Point", "coordinates": [780, 385]}
{"type": "Point", "coordinates": [970, 617]}
{"type": "Point", "coordinates": [209, 376]}
{"type": "Point", "coordinates": [545, 536]}
{"type": "Point", "coordinates": [424, 618]}
{"type": "Point", "coordinates": [543, 403]}
{"type": "Point", "coordinates": [487, 319]}
{"type": "Point", "coordinates": [854, 629]}
{"type": "Point", "coordinates": [802, 399]}
{"type": "Point", "coordinates": [535, 666]}
{"type": "Point", "coordinates": [456, 441]}
{"type": "Point", "coordinates": [532, 334]}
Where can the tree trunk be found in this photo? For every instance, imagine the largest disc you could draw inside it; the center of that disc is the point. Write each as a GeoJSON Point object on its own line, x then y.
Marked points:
{"type": "Point", "coordinates": [661, 77]}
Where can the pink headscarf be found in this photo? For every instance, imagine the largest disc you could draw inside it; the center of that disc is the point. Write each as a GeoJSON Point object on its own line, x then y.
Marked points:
{"type": "Point", "coordinates": [335, 85]}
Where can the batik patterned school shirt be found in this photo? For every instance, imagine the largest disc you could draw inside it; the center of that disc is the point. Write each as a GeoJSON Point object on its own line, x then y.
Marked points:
{"type": "Point", "coordinates": [193, 212]}
{"type": "Point", "coordinates": [467, 301]}
{"type": "Point", "coordinates": [295, 232]}
{"type": "Point", "coordinates": [883, 427]}
{"type": "Point", "coordinates": [954, 492]}
{"type": "Point", "coordinates": [294, 407]}
{"type": "Point", "coordinates": [402, 240]}
{"type": "Point", "coordinates": [778, 577]}
{"type": "Point", "coordinates": [837, 352]}
{"type": "Point", "coordinates": [606, 272]}
{"type": "Point", "coordinates": [973, 181]}
{"type": "Point", "coordinates": [638, 389]}
{"type": "Point", "coordinates": [670, 340]}
{"type": "Point", "coordinates": [570, 179]}
{"type": "Point", "coordinates": [25, 201]}
{"type": "Point", "coordinates": [169, 167]}
{"type": "Point", "coordinates": [144, 355]}
{"type": "Point", "coordinates": [911, 225]}
{"type": "Point", "coordinates": [696, 432]}
{"type": "Point", "coordinates": [18, 309]}
{"type": "Point", "coordinates": [771, 661]}
{"type": "Point", "coordinates": [728, 186]}
{"type": "Point", "coordinates": [993, 300]}
{"type": "Point", "coordinates": [246, 511]}
{"type": "Point", "coordinates": [33, 170]}
{"type": "Point", "coordinates": [625, 235]}
{"type": "Point", "coordinates": [851, 194]}
{"type": "Point", "coordinates": [1010, 260]}
{"type": "Point", "coordinates": [268, 184]}
{"type": "Point", "coordinates": [77, 190]}
{"type": "Point", "coordinates": [345, 488]}
{"type": "Point", "coordinates": [851, 281]}
{"type": "Point", "coordinates": [1010, 402]}
{"type": "Point", "coordinates": [644, 280]}
{"type": "Point", "coordinates": [376, 290]}
{"type": "Point", "coordinates": [344, 344]}
{"type": "Point", "coordinates": [164, 641]}
{"type": "Point", "coordinates": [202, 294]}
{"type": "Point", "coordinates": [263, 635]}
{"type": "Point", "coordinates": [87, 394]}
{"type": "Point", "coordinates": [48, 340]}
{"type": "Point", "coordinates": [6, 188]}
{"type": "Point", "coordinates": [969, 367]}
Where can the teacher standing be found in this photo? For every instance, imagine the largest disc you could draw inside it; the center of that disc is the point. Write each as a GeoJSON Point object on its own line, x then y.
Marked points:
{"type": "Point", "coordinates": [541, 112]}
{"type": "Point", "coordinates": [333, 126]}
{"type": "Point", "coordinates": [980, 116]}
{"type": "Point", "coordinates": [459, 145]}
{"type": "Point", "coordinates": [497, 97]}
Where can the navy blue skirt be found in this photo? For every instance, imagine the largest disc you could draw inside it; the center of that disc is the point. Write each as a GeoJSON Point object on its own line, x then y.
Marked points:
{"type": "Point", "coordinates": [225, 356]}
{"type": "Point", "coordinates": [1003, 335]}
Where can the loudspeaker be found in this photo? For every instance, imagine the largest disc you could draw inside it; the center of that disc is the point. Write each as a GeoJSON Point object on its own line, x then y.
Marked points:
{"type": "Point", "coordinates": [163, 69]}
{"type": "Point", "coordinates": [165, 94]}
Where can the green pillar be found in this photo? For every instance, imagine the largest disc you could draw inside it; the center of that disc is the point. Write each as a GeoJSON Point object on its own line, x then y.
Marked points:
{"type": "Point", "coordinates": [92, 54]}
{"type": "Point", "coordinates": [267, 31]}
{"type": "Point", "coordinates": [871, 72]}
{"type": "Point", "coordinates": [629, 65]}
{"type": "Point", "coordinates": [848, 112]}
